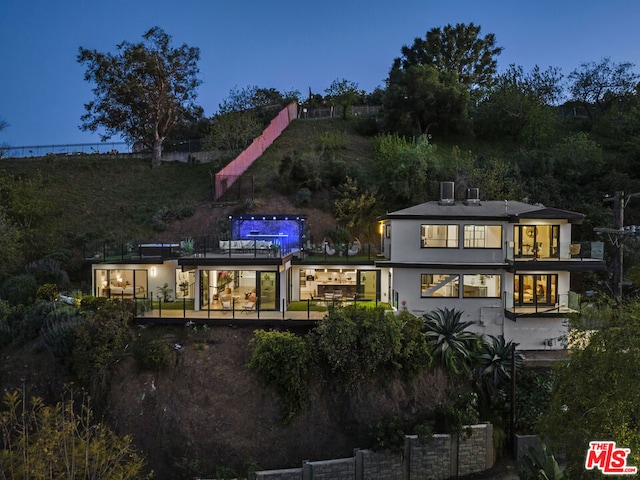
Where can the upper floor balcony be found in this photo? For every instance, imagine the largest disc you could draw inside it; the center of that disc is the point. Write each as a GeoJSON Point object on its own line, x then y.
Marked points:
{"type": "Point", "coordinates": [579, 256]}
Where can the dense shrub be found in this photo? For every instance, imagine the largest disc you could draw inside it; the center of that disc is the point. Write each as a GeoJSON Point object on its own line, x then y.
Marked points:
{"type": "Point", "coordinates": [185, 211]}
{"type": "Point", "coordinates": [281, 360]}
{"type": "Point", "coordinates": [303, 197]}
{"type": "Point", "coordinates": [331, 141]}
{"type": "Point", "coordinates": [62, 441]}
{"type": "Point", "coordinates": [48, 270]}
{"type": "Point", "coordinates": [356, 342]}
{"type": "Point", "coordinates": [20, 289]}
{"type": "Point", "coordinates": [161, 219]}
{"type": "Point", "coordinates": [28, 323]}
{"type": "Point", "coordinates": [152, 354]}
{"type": "Point", "coordinates": [48, 291]}
{"type": "Point", "coordinates": [5, 326]}
{"type": "Point", "coordinates": [100, 343]}
{"type": "Point", "coordinates": [93, 303]}
{"type": "Point", "coordinates": [60, 332]}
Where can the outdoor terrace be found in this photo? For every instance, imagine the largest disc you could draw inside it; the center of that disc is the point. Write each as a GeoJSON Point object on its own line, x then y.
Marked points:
{"type": "Point", "coordinates": [218, 247]}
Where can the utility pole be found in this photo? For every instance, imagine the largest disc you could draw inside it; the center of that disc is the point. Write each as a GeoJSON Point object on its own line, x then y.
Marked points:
{"type": "Point", "coordinates": [617, 236]}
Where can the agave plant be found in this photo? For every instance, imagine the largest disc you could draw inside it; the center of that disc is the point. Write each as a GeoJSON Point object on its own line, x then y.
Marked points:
{"type": "Point", "coordinates": [451, 343]}
{"type": "Point", "coordinates": [495, 361]}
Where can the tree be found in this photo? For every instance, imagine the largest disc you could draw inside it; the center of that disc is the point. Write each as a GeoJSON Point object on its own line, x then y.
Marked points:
{"type": "Point", "coordinates": [459, 50]}
{"type": "Point", "coordinates": [355, 207]}
{"type": "Point", "coordinates": [435, 79]}
{"type": "Point", "coordinates": [43, 441]}
{"type": "Point", "coordinates": [520, 106]}
{"type": "Point", "coordinates": [244, 114]}
{"type": "Point", "coordinates": [144, 91]}
{"type": "Point", "coordinates": [343, 93]}
{"type": "Point", "coordinates": [419, 97]}
{"type": "Point", "coordinates": [233, 130]}
{"type": "Point", "coordinates": [595, 396]}
{"type": "Point", "coordinates": [403, 169]}
{"type": "Point", "coordinates": [597, 86]}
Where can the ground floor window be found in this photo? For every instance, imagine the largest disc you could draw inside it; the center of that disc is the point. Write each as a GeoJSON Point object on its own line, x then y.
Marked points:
{"type": "Point", "coordinates": [439, 285]}
{"type": "Point", "coordinates": [535, 289]}
{"type": "Point", "coordinates": [481, 285]}
{"type": "Point", "coordinates": [238, 289]}
{"type": "Point", "coordinates": [121, 283]}
{"type": "Point", "coordinates": [339, 283]}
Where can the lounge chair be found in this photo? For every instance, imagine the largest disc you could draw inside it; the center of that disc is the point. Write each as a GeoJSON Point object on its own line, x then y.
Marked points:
{"type": "Point", "coordinates": [328, 249]}
{"type": "Point", "coordinates": [354, 248]}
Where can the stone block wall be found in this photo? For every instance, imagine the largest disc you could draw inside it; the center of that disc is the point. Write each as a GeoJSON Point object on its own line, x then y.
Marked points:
{"type": "Point", "coordinates": [431, 459]}
{"type": "Point", "coordinates": [341, 469]}
{"type": "Point", "coordinates": [284, 474]}
{"type": "Point", "coordinates": [442, 457]}
{"type": "Point", "coordinates": [379, 465]}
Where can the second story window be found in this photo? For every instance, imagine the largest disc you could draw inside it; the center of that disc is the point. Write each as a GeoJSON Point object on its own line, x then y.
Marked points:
{"type": "Point", "coordinates": [439, 236]}
{"type": "Point", "coordinates": [482, 236]}
{"type": "Point", "coordinates": [536, 241]}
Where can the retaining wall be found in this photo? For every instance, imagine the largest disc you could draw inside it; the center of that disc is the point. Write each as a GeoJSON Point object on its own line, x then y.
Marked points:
{"type": "Point", "coordinates": [442, 457]}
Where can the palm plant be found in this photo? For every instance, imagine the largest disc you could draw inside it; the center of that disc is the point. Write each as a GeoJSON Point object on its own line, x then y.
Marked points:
{"type": "Point", "coordinates": [452, 345]}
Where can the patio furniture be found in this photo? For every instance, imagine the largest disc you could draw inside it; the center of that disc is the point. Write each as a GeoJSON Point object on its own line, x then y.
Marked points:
{"type": "Point", "coordinates": [354, 248]}
{"type": "Point", "coordinates": [328, 249]}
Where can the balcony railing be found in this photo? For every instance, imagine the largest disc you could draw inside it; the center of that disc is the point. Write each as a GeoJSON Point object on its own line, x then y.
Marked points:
{"type": "Point", "coordinates": [220, 247]}
{"type": "Point", "coordinates": [565, 251]}
{"type": "Point", "coordinates": [563, 303]}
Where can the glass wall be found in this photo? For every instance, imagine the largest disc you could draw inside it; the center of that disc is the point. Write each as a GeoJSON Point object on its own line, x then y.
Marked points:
{"type": "Point", "coordinates": [121, 283]}
{"type": "Point", "coordinates": [238, 289]}
{"type": "Point", "coordinates": [342, 283]}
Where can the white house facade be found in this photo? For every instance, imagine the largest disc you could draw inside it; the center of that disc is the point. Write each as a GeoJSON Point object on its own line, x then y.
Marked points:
{"type": "Point", "coordinates": [506, 265]}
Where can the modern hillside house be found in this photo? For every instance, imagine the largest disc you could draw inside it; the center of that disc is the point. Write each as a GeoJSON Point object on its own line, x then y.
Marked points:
{"type": "Point", "coordinates": [262, 264]}
{"type": "Point", "coordinates": [507, 265]}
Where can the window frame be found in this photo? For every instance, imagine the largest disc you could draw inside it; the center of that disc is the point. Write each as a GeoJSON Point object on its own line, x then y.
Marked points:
{"type": "Point", "coordinates": [498, 289]}
{"type": "Point", "coordinates": [429, 285]}
{"type": "Point", "coordinates": [427, 235]}
{"type": "Point", "coordinates": [485, 227]}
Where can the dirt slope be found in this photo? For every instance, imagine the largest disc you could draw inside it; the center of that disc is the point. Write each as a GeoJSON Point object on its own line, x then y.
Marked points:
{"type": "Point", "coordinates": [209, 411]}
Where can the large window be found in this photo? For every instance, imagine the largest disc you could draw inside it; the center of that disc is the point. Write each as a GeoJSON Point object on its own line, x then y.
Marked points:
{"type": "Point", "coordinates": [482, 236]}
{"type": "Point", "coordinates": [439, 236]}
{"type": "Point", "coordinates": [121, 283]}
{"type": "Point", "coordinates": [439, 285]}
{"type": "Point", "coordinates": [537, 241]}
{"type": "Point", "coordinates": [535, 289]}
{"type": "Point", "coordinates": [480, 285]}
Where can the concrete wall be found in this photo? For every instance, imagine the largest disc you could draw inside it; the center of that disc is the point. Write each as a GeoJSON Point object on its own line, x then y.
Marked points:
{"type": "Point", "coordinates": [440, 458]}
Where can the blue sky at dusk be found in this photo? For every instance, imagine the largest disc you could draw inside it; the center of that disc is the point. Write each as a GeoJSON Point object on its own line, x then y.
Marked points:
{"type": "Point", "coordinates": [282, 44]}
